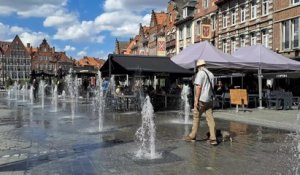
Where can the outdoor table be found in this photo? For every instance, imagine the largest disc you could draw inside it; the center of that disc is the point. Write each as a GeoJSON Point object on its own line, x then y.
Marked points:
{"type": "Point", "coordinates": [165, 96]}
{"type": "Point", "coordinates": [127, 98]}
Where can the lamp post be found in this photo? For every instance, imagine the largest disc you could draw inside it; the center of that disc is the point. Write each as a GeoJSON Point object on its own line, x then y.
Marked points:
{"type": "Point", "coordinates": [3, 61]}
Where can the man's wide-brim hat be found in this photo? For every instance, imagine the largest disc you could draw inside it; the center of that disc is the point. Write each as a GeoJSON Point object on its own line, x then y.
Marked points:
{"type": "Point", "coordinates": [200, 63]}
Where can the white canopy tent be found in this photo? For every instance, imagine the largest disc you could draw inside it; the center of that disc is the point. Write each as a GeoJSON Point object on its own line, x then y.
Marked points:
{"type": "Point", "coordinates": [213, 57]}
{"type": "Point", "coordinates": [261, 58]}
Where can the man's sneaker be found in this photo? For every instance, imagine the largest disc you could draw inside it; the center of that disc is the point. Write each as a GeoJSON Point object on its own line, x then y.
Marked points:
{"type": "Point", "coordinates": [187, 138]}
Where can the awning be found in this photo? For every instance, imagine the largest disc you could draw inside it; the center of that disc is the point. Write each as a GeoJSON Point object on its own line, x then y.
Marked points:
{"type": "Point", "coordinates": [150, 65]}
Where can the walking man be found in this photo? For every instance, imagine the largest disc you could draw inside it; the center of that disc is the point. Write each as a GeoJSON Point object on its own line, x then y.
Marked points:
{"type": "Point", "coordinates": [203, 102]}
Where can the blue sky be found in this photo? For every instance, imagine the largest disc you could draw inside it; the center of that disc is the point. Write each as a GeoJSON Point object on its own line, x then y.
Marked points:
{"type": "Point", "coordinates": [79, 27]}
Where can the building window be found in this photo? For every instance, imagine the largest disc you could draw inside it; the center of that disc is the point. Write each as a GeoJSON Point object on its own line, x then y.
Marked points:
{"type": "Point", "coordinates": [224, 46]}
{"type": "Point", "coordinates": [295, 1]}
{"type": "Point", "coordinates": [213, 22]}
{"type": "Point", "coordinates": [233, 45]}
{"type": "Point", "coordinates": [242, 41]}
{"type": "Point", "coordinates": [180, 34]}
{"type": "Point", "coordinates": [233, 17]}
{"type": "Point", "coordinates": [265, 7]}
{"type": "Point", "coordinates": [265, 38]}
{"type": "Point", "coordinates": [185, 12]}
{"type": "Point", "coordinates": [295, 32]}
{"type": "Point", "coordinates": [198, 28]}
{"type": "Point", "coordinates": [205, 4]}
{"type": "Point", "coordinates": [253, 39]}
{"type": "Point", "coordinates": [286, 34]}
{"type": "Point", "coordinates": [253, 9]}
{"type": "Point", "coordinates": [224, 20]}
{"type": "Point", "coordinates": [188, 31]}
{"type": "Point", "coordinates": [243, 14]}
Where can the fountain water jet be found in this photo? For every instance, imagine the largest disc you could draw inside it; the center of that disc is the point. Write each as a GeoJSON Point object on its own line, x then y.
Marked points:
{"type": "Point", "coordinates": [54, 98]}
{"type": "Point", "coordinates": [100, 101]}
{"type": "Point", "coordinates": [31, 97]}
{"type": "Point", "coordinates": [24, 89]}
{"type": "Point", "coordinates": [146, 133]}
{"type": "Point", "coordinates": [186, 105]}
{"type": "Point", "coordinates": [42, 92]}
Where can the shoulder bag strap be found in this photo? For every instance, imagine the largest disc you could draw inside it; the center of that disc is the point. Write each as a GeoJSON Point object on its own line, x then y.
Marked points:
{"type": "Point", "coordinates": [211, 86]}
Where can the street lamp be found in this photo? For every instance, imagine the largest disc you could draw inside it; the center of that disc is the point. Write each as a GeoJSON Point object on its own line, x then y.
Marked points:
{"type": "Point", "coordinates": [3, 60]}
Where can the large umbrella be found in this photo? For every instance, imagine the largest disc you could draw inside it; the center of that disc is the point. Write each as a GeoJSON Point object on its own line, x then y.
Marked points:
{"type": "Point", "coordinates": [261, 58]}
{"type": "Point", "coordinates": [213, 57]}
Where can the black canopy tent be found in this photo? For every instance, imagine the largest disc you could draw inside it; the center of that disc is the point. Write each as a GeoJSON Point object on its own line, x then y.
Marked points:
{"type": "Point", "coordinates": [145, 65]}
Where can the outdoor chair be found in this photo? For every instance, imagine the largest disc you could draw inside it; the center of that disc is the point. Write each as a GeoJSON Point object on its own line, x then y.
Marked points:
{"type": "Point", "coordinates": [225, 100]}
{"type": "Point", "coordinates": [275, 99]}
{"type": "Point", "coordinates": [296, 102]}
{"type": "Point", "coordinates": [287, 100]}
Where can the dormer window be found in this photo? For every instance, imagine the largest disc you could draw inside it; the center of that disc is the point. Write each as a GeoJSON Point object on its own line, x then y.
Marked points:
{"type": "Point", "coordinates": [205, 4]}
{"type": "Point", "coordinates": [185, 12]}
{"type": "Point", "coordinates": [295, 1]}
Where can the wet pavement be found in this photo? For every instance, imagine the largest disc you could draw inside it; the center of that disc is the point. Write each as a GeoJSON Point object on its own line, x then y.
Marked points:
{"type": "Point", "coordinates": [40, 141]}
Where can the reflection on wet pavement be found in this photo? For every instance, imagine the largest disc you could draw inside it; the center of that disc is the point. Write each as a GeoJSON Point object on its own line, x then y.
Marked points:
{"type": "Point", "coordinates": [36, 141]}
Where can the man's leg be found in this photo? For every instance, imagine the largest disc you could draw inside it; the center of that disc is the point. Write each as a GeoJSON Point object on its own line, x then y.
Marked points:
{"type": "Point", "coordinates": [211, 122]}
{"type": "Point", "coordinates": [195, 126]}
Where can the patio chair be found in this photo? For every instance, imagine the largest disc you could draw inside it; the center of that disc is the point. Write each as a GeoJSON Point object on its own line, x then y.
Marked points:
{"type": "Point", "coordinates": [287, 100]}
{"type": "Point", "coordinates": [225, 100]}
{"type": "Point", "coordinates": [275, 99]}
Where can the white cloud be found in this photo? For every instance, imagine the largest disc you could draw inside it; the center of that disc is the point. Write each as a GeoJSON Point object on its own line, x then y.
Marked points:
{"type": "Point", "coordinates": [31, 8]}
{"type": "Point", "coordinates": [120, 18]}
{"type": "Point", "coordinates": [82, 52]}
{"type": "Point", "coordinates": [34, 38]}
{"type": "Point", "coordinates": [60, 19]}
{"type": "Point", "coordinates": [134, 5]}
{"type": "Point", "coordinates": [69, 48]}
{"type": "Point", "coordinates": [17, 29]}
{"type": "Point", "coordinates": [9, 32]}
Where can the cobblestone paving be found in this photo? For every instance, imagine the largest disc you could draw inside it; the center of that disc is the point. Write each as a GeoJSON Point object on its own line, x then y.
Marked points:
{"type": "Point", "coordinates": [36, 141]}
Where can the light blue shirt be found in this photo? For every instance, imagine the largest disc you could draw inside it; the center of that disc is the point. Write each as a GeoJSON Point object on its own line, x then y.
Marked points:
{"type": "Point", "coordinates": [206, 89]}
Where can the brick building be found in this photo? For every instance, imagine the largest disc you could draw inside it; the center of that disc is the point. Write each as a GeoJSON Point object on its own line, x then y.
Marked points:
{"type": "Point", "coordinates": [286, 30]}
{"type": "Point", "coordinates": [46, 59]}
{"type": "Point", "coordinates": [92, 62]}
{"type": "Point", "coordinates": [15, 60]}
{"type": "Point", "coordinates": [157, 41]}
{"type": "Point", "coordinates": [205, 21]}
{"type": "Point", "coordinates": [244, 23]}
{"type": "Point", "coordinates": [142, 40]}
{"type": "Point", "coordinates": [173, 10]}
{"type": "Point", "coordinates": [121, 46]}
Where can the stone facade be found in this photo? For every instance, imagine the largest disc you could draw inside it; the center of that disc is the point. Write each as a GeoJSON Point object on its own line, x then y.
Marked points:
{"type": "Point", "coordinates": [121, 46]}
{"type": "Point", "coordinates": [244, 23]}
{"type": "Point", "coordinates": [287, 28]}
{"type": "Point", "coordinates": [156, 42]}
{"type": "Point", "coordinates": [15, 60]}
{"type": "Point", "coordinates": [46, 59]}
{"type": "Point", "coordinates": [185, 26]}
{"type": "Point", "coordinates": [173, 11]}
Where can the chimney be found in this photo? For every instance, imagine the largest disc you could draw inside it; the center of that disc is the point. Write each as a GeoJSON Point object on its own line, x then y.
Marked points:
{"type": "Point", "coordinates": [28, 45]}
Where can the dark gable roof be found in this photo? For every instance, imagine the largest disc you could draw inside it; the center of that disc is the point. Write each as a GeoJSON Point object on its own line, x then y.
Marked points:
{"type": "Point", "coordinates": [128, 64]}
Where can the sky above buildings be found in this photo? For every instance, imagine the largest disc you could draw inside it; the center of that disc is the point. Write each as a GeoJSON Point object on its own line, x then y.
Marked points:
{"type": "Point", "coordinates": [79, 27]}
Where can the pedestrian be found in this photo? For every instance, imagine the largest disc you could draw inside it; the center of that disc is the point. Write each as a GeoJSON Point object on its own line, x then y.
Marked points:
{"type": "Point", "coordinates": [203, 102]}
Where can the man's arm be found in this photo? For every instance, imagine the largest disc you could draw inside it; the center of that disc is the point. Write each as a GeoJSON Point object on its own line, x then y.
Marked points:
{"type": "Point", "coordinates": [197, 96]}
